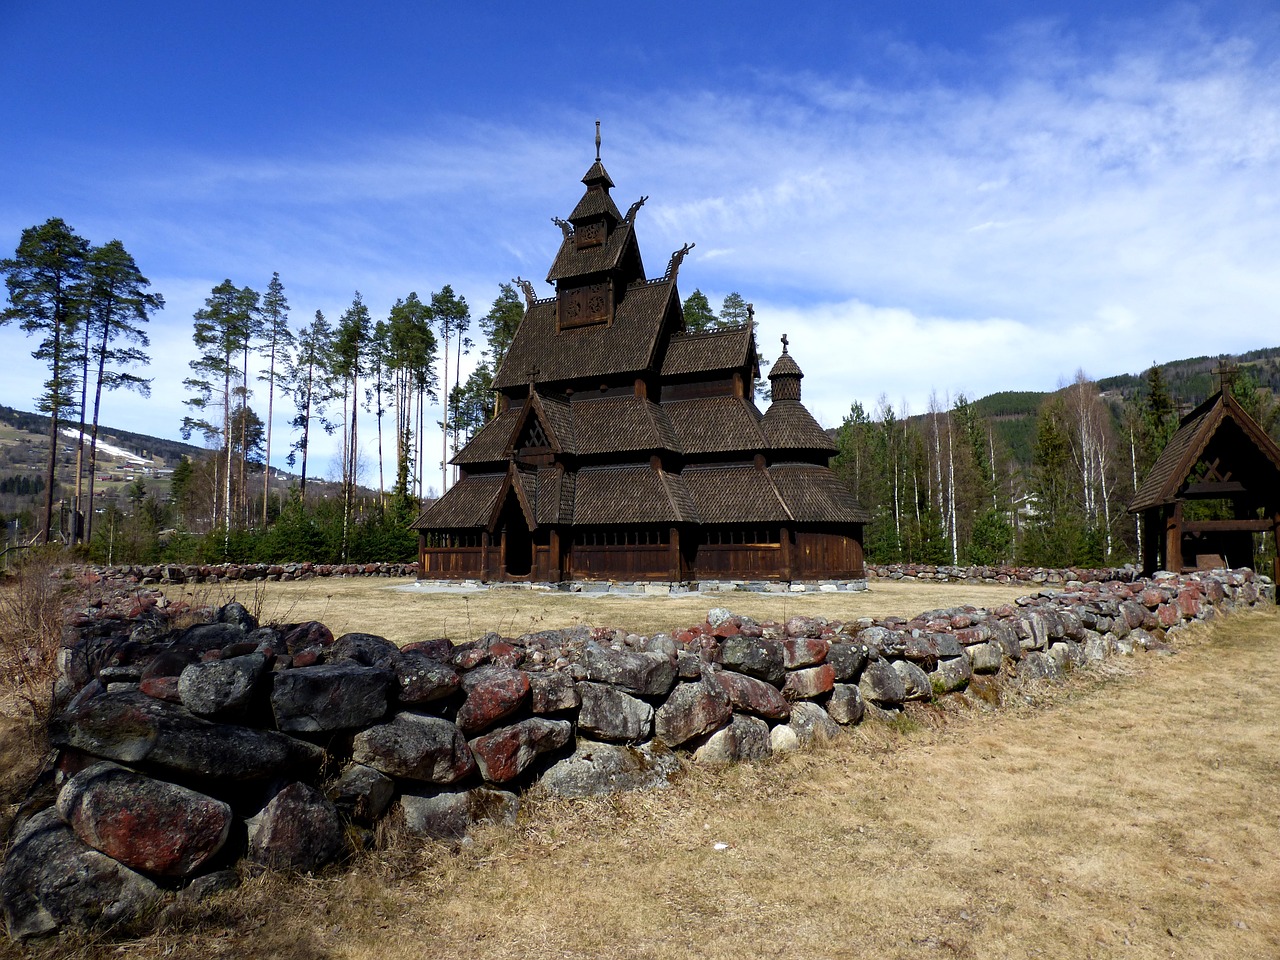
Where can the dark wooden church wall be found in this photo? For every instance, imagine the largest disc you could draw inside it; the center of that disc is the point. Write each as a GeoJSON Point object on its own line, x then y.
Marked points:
{"type": "Point", "coordinates": [826, 556]}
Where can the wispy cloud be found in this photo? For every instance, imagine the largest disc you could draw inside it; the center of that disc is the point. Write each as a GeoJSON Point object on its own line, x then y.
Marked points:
{"type": "Point", "coordinates": [1094, 202]}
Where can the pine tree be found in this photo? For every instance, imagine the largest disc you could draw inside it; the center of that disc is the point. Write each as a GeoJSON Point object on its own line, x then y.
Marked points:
{"type": "Point", "coordinates": [277, 339]}
{"type": "Point", "coordinates": [412, 363]}
{"type": "Point", "coordinates": [307, 379]}
{"type": "Point", "coordinates": [350, 359]}
{"type": "Point", "coordinates": [46, 278]}
{"type": "Point", "coordinates": [698, 315]}
{"type": "Point", "coordinates": [117, 306]}
{"type": "Point", "coordinates": [222, 327]}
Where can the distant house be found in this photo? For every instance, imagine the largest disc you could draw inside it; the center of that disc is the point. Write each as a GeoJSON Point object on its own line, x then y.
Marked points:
{"type": "Point", "coordinates": [1214, 486]}
{"type": "Point", "coordinates": [628, 448]}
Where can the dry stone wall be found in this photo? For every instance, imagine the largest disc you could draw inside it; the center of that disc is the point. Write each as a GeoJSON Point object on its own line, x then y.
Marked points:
{"type": "Point", "coordinates": [186, 756]}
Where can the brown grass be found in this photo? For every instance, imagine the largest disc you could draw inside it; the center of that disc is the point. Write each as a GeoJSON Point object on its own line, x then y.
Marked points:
{"type": "Point", "coordinates": [1129, 813]}
{"type": "Point", "coordinates": [405, 615]}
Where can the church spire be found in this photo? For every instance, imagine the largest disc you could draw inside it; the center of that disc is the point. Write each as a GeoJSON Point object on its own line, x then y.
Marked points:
{"type": "Point", "coordinates": [785, 376]}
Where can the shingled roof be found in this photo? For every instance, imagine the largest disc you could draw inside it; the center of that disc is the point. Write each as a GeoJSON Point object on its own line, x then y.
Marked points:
{"type": "Point", "coordinates": [716, 425]}
{"type": "Point", "coordinates": [625, 346]}
{"type": "Point", "coordinates": [573, 262]}
{"type": "Point", "coordinates": [489, 445]}
{"type": "Point", "coordinates": [814, 494]}
{"type": "Point", "coordinates": [629, 493]}
{"type": "Point", "coordinates": [468, 503]}
{"type": "Point", "coordinates": [621, 424]}
{"type": "Point", "coordinates": [734, 494]}
{"type": "Point", "coordinates": [1185, 448]}
{"type": "Point", "coordinates": [787, 425]}
{"type": "Point", "coordinates": [711, 351]}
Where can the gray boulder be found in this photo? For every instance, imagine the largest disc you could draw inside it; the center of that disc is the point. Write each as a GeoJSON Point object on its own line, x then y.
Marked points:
{"type": "Point", "coordinates": [914, 680]}
{"type": "Point", "coordinates": [221, 686]}
{"type": "Point", "coordinates": [423, 679]}
{"type": "Point", "coordinates": [951, 675]}
{"type": "Point", "coordinates": [846, 706]}
{"type": "Point", "coordinates": [811, 723]}
{"type": "Point", "coordinates": [880, 684]}
{"type": "Point", "coordinates": [745, 738]}
{"type": "Point", "coordinates": [362, 793]}
{"type": "Point", "coordinates": [985, 657]}
{"type": "Point", "coordinates": [757, 657]}
{"type": "Point", "coordinates": [366, 649]}
{"type": "Point", "coordinates": [647, 674]}
{"type": "Point", "coordinates": [692, 710]}
{"type": "Point", "coordinates": [609, 714]}
{"type": "Point", "coordinates": [597, 768]}
{"type": "Point", "coordinates": [551, 691]}
{"type": "Point", "coordinates": [1039, 666]}
{"type": "Point", "coordinates": [52, 879]}
{"type": "Point", "coordinates": [330, 696]}
{"type": "Point", "coordinates": [299, 829]}
{"type": "Point", "coordinates": [416, 748]}
{"type": "Point", "coordinates": [136, 729]}
{"type": "Point", "coordinates": [847, 660]}
{"type": "Point", "coordinates": [450, 816]}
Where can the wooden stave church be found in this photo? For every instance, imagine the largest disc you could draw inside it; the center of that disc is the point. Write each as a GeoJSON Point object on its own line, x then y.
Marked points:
{"type": "Point", "coordinates": [628, 449]}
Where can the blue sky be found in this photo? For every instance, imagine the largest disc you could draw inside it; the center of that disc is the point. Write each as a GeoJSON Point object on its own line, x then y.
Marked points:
{"type": "Point", "coordinates": [929, 197]}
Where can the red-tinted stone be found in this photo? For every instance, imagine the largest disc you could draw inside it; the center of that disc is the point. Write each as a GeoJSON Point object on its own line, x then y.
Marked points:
{"type": "Point", "coordinates": [493, 693]}
{"type": "Point", "coordinates": [691, 710]}
{"type": "Point", "coordinates": [1168, 615]}
{"type": "Point", "coordinates": [506, 654]}
{"type": "Point", "coordinates": [304, 635]}
{"type": "Point", "coordinates": [1189, 603]}
{"type": "Point", "coordinates": [162, 688]}
{"type": "Point", "coordinates": [803, 651]}
{"type": "Point", "coordinates": [749, 695]}
{"type": "Point", "coordinates": [145, 824]}
{"type": "Point", "coordinates": [507, 752]}
{"type": "Point", "coordinates": [809, 683]}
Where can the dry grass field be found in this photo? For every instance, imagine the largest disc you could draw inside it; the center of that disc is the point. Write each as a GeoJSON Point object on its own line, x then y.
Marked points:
{"type": "Point", "coordinates": [1128, 813]}
{"type": "Point", "coordinates": [402, 612]}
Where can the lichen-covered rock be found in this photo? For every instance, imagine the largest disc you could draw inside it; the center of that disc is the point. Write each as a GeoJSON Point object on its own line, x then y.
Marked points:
{"type": "Point", "coordinates": [811, 723]}
{"type": "Point", "coordinates": [751, 695]}
{"type": "Point", "coordinates": [692, 710]}
{"type": "Point", "coordinates": [221, 686]}
{"type": "Point", "coordinates": [362, 793]}
{"type": "Point", "coordinates": [52, 879]}
{"type": "Point", "coordinates": [415, 747]}
{"type": "Point", "coordinates": [505, 753]}
{"type": "Point", "coordinates": [330, 696]}
{"type": "Point", "coordinates": [366, 649]}
{"type": "Point", "coordinates": [135, 729]}
{"type": "Point", "coordinates": [985, 657]}
{"type": "Point", "coordinates": [803, 651]}
{"type": "Point", "coordinates": [846, 706]}
{"type": "Point", "coordinates": [810, 682]}
{"type": "Point", "coordinates": [881, 685]}
{"type": "Point", "coordinates": [597, 768]}
{"type": "Point", "coordinates": [422, 679]}
{"type": "Point", "coordinates": [745, 738]}
{"type": "Point", "coordinates": [1039, 666]}
{"type": "Point", "coordinates": [757, 657]}
{"type": "Point", "coordinates": [609, 714]}
{"type": "Point", "coordinates": [951, 675]}
{"type": "Point", "coordinates": [647, 674]}
{"type": "Point", "coordinates": [493, 693]}
{"type": "Point", "coordinates": [146, 824]}
{"type": "Point", "coordinates": [847, 660]}
{"type": "Point", "coordinates": [551, 691]}
{"type": "Point", "coordinates": [299, 829]}
{"type": "Point", "coordinates": [450, 816]}
{"type": "Point", "coordinates": [915, 682]}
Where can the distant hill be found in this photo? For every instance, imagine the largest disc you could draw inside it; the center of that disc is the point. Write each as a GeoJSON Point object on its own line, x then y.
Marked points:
{"type": "Point", "coordinates": [171, 451]}
{"type": "Point", "coordinates": [1013, 412]}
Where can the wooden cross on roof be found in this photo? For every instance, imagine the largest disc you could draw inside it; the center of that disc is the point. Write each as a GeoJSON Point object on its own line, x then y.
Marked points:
{"type": "Point", "coordinates": [1226, 373]}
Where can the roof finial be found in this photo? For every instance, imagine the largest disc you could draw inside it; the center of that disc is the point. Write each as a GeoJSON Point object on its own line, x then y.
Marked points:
{"type": "Point", "coordinates": [1226, 373]}
{"type": "Point", "coordinates": [597, 141]}
{"type": "Point", "coordinates": [784, 343]}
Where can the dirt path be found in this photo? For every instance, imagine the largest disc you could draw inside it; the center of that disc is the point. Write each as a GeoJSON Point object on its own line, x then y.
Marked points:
{"type": "Point", "coordinates": [1128, 816]}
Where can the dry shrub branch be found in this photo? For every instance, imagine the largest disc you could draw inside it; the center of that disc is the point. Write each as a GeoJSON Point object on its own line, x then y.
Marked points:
{"type": "Point", "coordinates": [32, 606]}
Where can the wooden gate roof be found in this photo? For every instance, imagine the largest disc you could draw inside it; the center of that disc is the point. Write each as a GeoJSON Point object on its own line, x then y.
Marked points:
{"type": "Point", "coordinates": [1198, 429]}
